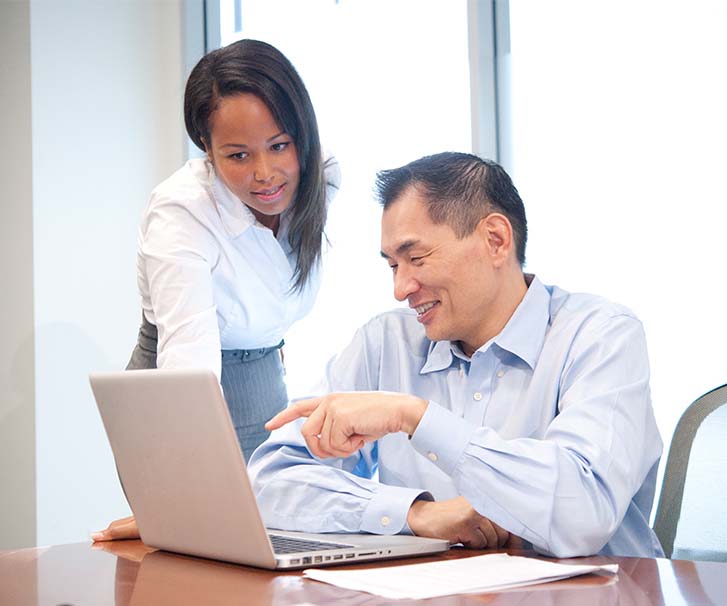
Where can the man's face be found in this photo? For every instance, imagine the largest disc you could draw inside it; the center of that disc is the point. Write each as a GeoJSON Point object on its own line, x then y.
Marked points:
{"type": "Point", "coordinates": [450, 282]}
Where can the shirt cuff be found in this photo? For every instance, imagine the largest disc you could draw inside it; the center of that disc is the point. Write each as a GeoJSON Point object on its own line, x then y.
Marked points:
{"type": "Point", "coordinates": [442, 437]}
{"type": "Point", "coordinates": [387, 511]}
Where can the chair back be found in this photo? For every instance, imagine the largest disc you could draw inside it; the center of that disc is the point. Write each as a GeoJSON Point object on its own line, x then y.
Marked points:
{"type": "Point", "coordinates": [691, 518]}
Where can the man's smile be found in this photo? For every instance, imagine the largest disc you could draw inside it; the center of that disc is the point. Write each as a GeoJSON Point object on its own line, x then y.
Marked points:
{"type": "Point", "coordinates": [423, 310]}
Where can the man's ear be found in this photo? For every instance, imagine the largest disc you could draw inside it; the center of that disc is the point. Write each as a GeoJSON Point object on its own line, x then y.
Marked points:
{"type": "Point", "coordinates": [496, 232]}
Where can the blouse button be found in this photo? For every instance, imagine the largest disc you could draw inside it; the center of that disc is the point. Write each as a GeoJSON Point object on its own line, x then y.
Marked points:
{"type": "Point", "coordinates": [385, 520]}
{"type": "Point", "coordinates": [432, 457]}
{"type": "Point", "coordinates": [477, 396]}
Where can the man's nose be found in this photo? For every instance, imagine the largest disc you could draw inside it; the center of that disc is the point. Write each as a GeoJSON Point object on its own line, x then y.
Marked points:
{"type": "Point", "coordinates": [404, 284]}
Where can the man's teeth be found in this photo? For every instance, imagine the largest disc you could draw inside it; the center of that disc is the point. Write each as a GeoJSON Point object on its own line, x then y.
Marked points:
{"type": "Point", "coordinates": [424, 308]}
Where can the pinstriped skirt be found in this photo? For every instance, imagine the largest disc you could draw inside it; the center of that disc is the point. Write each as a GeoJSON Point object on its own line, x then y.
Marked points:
{"type": "Point", "coordinates": [252, 382]}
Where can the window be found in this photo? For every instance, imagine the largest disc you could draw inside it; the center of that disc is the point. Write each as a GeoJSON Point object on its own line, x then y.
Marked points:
{"type": "Point", "coordinates": [390, 83]}
{"type": "Point", "coordinates": [617, 138]}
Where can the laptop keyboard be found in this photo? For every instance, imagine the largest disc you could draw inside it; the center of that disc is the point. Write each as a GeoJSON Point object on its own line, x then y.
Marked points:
{"type": "Point", "coordinates": [284, 544]}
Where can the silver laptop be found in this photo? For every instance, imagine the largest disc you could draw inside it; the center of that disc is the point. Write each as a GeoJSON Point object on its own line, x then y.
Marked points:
{"type": "Point", "coordinates": [185, 478]}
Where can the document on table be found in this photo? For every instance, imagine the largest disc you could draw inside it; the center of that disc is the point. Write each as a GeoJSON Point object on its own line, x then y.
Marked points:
{"type": "Point", "coordinates": [478, 574]}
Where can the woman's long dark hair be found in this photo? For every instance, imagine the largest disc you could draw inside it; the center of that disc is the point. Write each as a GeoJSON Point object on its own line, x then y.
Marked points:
{"type": "Point", "coordinates": [251, 66]}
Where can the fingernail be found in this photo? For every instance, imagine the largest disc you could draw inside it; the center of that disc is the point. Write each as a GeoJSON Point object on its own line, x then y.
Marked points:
{"type": "Point", "coordinates": [97, 536]}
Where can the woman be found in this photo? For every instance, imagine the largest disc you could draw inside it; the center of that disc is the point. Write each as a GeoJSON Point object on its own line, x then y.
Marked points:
{"type": "Point", "coordinates": [230, 244]}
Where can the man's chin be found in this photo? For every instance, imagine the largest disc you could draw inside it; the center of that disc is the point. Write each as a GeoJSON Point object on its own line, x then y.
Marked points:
{"type": "Point", "coordinates": [435, 335]}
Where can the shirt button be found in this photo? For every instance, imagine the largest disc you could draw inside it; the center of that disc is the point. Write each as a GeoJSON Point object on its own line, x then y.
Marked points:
{"type": "Point", "coordinates": [500, 374]}
{"type": "Point", "coordinates": [477, 396]}
{"type": "Point", "coordinates": [432, 457]}
{"type": "Point", "coordinates": [385, 520]}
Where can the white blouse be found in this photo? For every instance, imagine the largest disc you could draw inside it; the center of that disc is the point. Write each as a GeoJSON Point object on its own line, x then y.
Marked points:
{"type": "Point", "coordinates": [211, 277]}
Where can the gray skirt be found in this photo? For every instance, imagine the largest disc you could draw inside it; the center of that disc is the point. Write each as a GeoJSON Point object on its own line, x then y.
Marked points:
{"type": "Point", "coordinates": [252, 382]}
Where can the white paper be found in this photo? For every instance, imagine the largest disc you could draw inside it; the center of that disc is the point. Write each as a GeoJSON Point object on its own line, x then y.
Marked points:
{"type": "Point", "coordinates": [477, 574]}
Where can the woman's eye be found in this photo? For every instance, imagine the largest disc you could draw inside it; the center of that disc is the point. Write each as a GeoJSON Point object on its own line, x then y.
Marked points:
{"type": "Point", "coordinates": [239, 156]}
{"type": "Point", "coordinates": [280, 146]}
{"type": "Point", "coordinates": [417, 260]}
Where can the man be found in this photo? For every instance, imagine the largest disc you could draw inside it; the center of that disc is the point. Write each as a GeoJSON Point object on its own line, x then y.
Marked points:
{"type": "Point", "coordinates": [494, 407]}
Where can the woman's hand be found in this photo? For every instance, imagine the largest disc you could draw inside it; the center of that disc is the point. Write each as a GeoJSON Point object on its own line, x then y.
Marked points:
{"type": "Point", "coordinates": [125, 528]}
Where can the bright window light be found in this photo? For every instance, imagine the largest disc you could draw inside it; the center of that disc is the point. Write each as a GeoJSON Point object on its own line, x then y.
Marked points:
{"type": "Point", "coordinates": [390, 83]}
{"type": "Point", "coordinates": [618, 148]}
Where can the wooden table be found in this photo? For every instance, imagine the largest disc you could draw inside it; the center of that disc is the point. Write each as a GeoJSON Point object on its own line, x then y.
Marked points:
{"type": "Point", "coordinates": [129, 573]}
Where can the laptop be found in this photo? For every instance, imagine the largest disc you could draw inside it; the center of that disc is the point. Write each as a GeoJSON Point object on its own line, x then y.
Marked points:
{"type": "Point", "coordinates": [185, 478]}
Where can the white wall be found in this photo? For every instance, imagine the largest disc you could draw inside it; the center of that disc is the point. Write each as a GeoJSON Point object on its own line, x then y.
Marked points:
{"type": "Point", "coordinates": [107, 84]}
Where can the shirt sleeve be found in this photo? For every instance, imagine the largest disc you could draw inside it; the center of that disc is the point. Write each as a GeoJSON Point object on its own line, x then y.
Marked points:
{"type": "Point", "coordinates": [178, 253]}
{"type": "Point", "coordinates": [297, 491]}
{"type": "Point", "coordinates": [567, 491]}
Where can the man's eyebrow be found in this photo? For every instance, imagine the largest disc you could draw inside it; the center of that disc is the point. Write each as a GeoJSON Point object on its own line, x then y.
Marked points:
{"type": "Point", "coordinates": [402, 248]}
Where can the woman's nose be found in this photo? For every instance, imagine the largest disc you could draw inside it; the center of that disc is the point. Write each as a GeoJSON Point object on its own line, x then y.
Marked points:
{"type": "Point", "coordinates": [261, 172]}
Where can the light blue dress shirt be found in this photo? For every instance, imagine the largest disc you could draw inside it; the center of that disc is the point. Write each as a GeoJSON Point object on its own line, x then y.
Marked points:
{"type": "Point", "coordinates": [547, 430]}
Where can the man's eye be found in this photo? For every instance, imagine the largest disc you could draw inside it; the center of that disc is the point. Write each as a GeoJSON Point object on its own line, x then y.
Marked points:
{"type": "Point", "coordinates": [393, 267]}
{"type": "Point", "coordinates": [417, 260]}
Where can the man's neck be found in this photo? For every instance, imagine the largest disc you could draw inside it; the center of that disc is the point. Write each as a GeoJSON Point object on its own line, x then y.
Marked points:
{"type": "Point", "coordinates": [510, 295]}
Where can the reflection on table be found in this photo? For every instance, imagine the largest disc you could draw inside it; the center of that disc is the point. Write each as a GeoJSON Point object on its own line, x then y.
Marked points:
{"type": "Point", "coordinates": [127, 573]}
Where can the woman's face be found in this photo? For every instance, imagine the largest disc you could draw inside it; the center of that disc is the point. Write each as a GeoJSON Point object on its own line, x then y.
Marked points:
{"type": "Point", "coordinates": [253, 157]}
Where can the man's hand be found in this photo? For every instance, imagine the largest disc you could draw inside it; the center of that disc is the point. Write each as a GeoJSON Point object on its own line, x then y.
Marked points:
{"type": "Point", "coordinates": [457, 521]}
{"type": "Point", "coordinates": [341, 423]}
{"type": "Point", "coordinates": [125, 528]}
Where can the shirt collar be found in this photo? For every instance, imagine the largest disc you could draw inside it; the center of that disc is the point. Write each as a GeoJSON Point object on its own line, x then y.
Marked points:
{"type": "Point", "coordinates": [235, 215]}
{"type": "Point", "coordinates": [523, 335]}
{"type": "Point", "coordinates": [438, 358]}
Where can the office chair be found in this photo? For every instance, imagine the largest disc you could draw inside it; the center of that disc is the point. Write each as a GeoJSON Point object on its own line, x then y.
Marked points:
{"type": "Point", "coordinates": [691, 518]}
